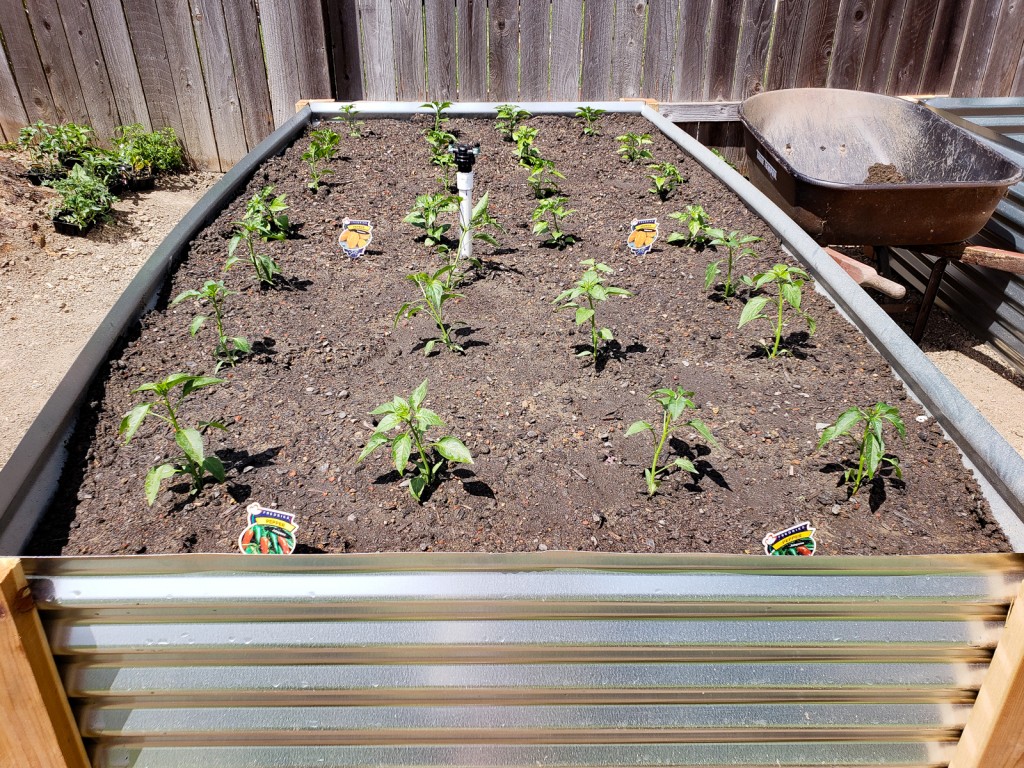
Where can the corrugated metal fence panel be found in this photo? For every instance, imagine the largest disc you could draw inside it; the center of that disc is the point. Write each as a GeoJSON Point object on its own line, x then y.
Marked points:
{"type": "Point", "coordinates": [522, 660]}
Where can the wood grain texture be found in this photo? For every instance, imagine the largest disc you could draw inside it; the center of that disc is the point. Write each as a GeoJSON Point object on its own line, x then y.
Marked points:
{"type": "Point", "coordinates": [38, 725]}
{"type": "Point", "coordinates": [784, 57]}
{"type": "Point", "coordinates": [215, 55]}
{"type": "Point", "coordinates": [851, 41]}
{"type": "Point", "coordinates": [628, 47]}
{"type": "Point", "coordinates": [700, 111]}
{"type": "Point", "coordinates": [979, 41]}
{"type": "Point", "coordinates": [282, 68]}
{"type": "Point", "coordinates": [250, 72]}
{"type": "Point", "coordinates": [12, 112]}
{"type": "Point", "coordinates": [566, 49]}
{"type": "Point", "coordinates": [441, 61]}
{"type": "Point", "coordinates": [90, 66]}
{"type": "Point", "coordinates": [598, 34]}
{"type": "Point", "coordinates": [154, 68]}
{"type": "Point", "coordinates": [726, 27]}
{"type": "Point", "coordinates": [880, 49]}
{"type": "Point", "coordinates": [816, 52]}
{"type": "Point", "coordinates": [534, 49]}
{"type": "Point", "coordinates": [310, 42]}
{"type": "Point", "coordinates": [991, 738]}
{"type": "Point", "coordinates": [911, 47]}
{"type": "Point", "coordinates": [26, 67]}
{"type": "Point", "coordinates": [660, 49]}
{"type": "Point", "coordinates": [1005, 60]}
{"type": "Point", "coordinates": [689, 77]}
{"type": "Point", "coordinates": [410, 72]}
{"type": "Point", "coordinates": [55, 55]}
{"type": "Point", "coordinates": [344, 51]}
{"type": "Point", "coordinates": [503, 50]}
{"type": "Point", "coordinates": [471, 55]}
{"type": "Point", "coordinates": [752, 55]}
{"type": "Point", "coordinates": [119, 57]}
{"type": "Point", "coordinates": [197, 125]}
{"type": "Point", "coordinates": [375, 23]}
{"type": "Point", "coordinates": [945, 42]}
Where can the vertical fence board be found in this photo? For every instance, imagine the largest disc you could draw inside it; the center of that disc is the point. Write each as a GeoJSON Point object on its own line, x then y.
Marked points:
{"type": "Point", "coordinates": [26, 66]}
{"type": "Point", "coordinates": [215, 55]}
{"type": "Point", "coordinates": [755, 39]}
{"type": "Point", "coordinates": [344, 52]}
{"type": "Point", "coordinates": [628, 47]}
{"type": "Point", "coordinates": [154, 67]}
{"type": "Point", "coordinates": [880, 48]}
{"type": "Point", "coordinates": [471, 37]}
{"type": "Point", "coordinates": [691, 65]}
{"type": "Point", "coordinates": [660, 49]}
{"type": "Point", "coordinates": [534, 49]}
{"type": "Point", "coordinates": [912, 47]}
{"type": "Point", "coordinates": [282, 68]}
{"type": "Point", "coordinates": [410, 74]}
{"type": "Point", "coordinates": [817, 44]}
{"type": "Point", "coordinates": [12, 112]}
{"type": "Point", "coordinates": [1006, 51]}
{"type": "Point", "coordinates": [979, 40]}
{"type": "Point", "coordinates": [566, 49]}
{"type": "Point", "coordinates": [441, 73]}
{"type": "Point", "coordinates": [87, 56]}
{"type": "Point", "coordinates": [250, 71]}
{"type": "Point", "coordinates": [945, 41]}
{"type": "Point", "coordinates": [597, 51]}
{"type": "Point", "coordinates": [122, 70]}
{"type": "Point", "coordinates": [179, 37]}
{"type": "Point", "coordinates": [783, 59]}
{"type": "Point", "coordinates": [310, 38]}
{"type": "Point", "coordinates": [375, 22]}
{"type": "Point", "coordinates": [726, 27]}
{"type": "Point", "coordinates": [55, 54]}
{"type": "Point", "coordinates": [503, 50]}
{"type": "Point", "coordinates": [852, 30]}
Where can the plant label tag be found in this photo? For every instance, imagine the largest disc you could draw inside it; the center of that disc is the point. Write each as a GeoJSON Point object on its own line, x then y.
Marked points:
{"type": "Point", "coordinates": [642, 234]}
{"type": "Point", "coordinates": [269, 532]}
{"type": "Point", "coordinates": [355, 236]}
{"type": "Point", "coordinates": [798, 540]}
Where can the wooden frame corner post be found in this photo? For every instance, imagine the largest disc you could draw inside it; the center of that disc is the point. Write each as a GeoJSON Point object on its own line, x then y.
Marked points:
{"type": "Point", "coordinates": [992, 736]}
{"type": "Point", "coordinates": [38, 730]}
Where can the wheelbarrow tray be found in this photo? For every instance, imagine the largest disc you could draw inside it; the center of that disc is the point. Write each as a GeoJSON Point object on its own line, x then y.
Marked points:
{"type": "Point", "coordinates": [811, 151]}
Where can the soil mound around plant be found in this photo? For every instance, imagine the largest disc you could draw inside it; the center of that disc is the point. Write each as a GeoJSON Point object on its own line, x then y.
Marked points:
{"type": "Point", "coordinates": [553, 468]}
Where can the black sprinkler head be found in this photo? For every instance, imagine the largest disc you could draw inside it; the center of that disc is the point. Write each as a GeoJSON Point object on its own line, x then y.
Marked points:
{"type": "Point", "coordinates": [465, 156]}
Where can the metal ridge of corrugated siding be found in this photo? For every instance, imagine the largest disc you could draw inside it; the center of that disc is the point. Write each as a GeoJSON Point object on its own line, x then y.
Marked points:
{"type": "Point", "coordinates": [558, 658]}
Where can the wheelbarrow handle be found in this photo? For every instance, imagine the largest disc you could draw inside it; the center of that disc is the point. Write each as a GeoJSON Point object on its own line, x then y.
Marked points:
{"type": "Point", "coordinates": [866, 276]}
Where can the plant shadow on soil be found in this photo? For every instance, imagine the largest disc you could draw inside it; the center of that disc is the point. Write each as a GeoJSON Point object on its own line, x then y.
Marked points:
{"type": "Point", "coordinates": [885, 476]}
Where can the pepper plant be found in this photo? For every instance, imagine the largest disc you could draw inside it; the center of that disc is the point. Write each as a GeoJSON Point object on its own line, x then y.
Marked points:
{"type": "Point", "coordinates": [411, 422]}
{"type": "Point", "coordinates": [788, 280]}
{"type": "Point", "coordinates": [84, 199]}
{"type": "Point", "coordinates": [435, 293]}
{"type": "Point", "coordinates": [323, 146]}
{"type": "Point", "coordinates": [526, 153]}
{"type": "Point", "coordinates": [548, 218]}
{"type": "Point", "coordinates": [665, 179]}
{"type": "Point", "coordinates": [214, 292]}
{"type": "Point", "coordinates": [348, 115]}
{"type": "Point", "coordinates": [584, 296]}
{"type": "Point", "coordinates": [426, 214]}
{"type": "Point", "coordinates": [438, 108]}
{"type": "Point", "coordinates": [871, 445]}
{"type": "Point", "coordinates": [543, 179]}
{"type": "Point", "coordinates": [737, 244]}
{"type": "Point", "coordinates": [156, 152]}
{"type": "Point", "coordinates": [696, 222]}
{"type": "Point", "coordinates": [509, 118]}
{"type": "Point", "coordinates": [194, 462]}
{"type": "Point", "coordinates": [590, 117]}
{"type": "Point", "coordinates": [480, 221]}
{"type": "Point", "coordinates": [265, 220]}
{"type": "Point", "coordinates": [674, 403]}
{"type": "Point", "coordinates": [37, 139]}
{"type": "Point", "coordinates": [633, 147]}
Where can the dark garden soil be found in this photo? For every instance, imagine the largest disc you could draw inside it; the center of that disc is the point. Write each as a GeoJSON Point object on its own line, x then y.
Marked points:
{"type": "Point", "coordinates": [553, 467]}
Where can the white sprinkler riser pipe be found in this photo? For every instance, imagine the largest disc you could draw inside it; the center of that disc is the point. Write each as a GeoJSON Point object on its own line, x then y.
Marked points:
{"type": "Point", "coordinates": [464, 183]}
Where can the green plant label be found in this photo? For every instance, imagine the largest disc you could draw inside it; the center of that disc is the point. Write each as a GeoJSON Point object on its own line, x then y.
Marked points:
{"type": "Point", "coordinates": [355, 236]}
{"type": "Point", "coordinates": [269, 532]}
{"type": "Point", "coordinates": [798, 540]}
{"type": "Point", "coordinates": [642, 234]}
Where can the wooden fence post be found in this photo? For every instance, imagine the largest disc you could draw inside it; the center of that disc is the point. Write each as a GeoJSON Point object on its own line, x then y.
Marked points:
{"type": "Point", "coordinates": [992, 736]}
{"type": "Point", "coordinates": [38, 730]}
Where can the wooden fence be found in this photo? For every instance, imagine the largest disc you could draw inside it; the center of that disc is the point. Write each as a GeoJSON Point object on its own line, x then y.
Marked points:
{"type": "Point", "coordinates": [223, 73]}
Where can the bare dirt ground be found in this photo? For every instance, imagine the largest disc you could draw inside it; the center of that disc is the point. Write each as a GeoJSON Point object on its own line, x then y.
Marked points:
{"type": "Point", "coordinates": [55, 290]}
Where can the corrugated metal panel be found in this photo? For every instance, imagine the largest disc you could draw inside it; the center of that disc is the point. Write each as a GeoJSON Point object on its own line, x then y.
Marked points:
{"type": "Point", "coordinates": [566, 659]}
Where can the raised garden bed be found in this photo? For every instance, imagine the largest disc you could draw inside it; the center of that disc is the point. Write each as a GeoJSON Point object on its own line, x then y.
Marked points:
{"type": "Point", "coordinates": [553, 468]}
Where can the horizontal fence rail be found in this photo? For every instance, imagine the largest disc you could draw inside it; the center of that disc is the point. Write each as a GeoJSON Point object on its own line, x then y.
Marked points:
{"type": "Point", "coordinates": [568, 659]}
{"type": "Point", "coordinates": [224, 73]}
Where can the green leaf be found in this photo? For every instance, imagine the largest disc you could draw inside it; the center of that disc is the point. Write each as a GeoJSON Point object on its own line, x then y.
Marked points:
{"type": "Point", "coordinates": [241, 344]}
{"type": "Point", "coordinates": [638, 426]}
{"type": "Point", "coordinates": [703, 430]}
{"type": "Point", "coordinates": [454, 449]}
{"type": "Point", "coordinates": [752, 310]}
{"type": "Point", "coordinates": [199, 382]}
{"type": "Point", "coordinates": [154, 477]}
{"type": "Point", "coordinates": [389, 422]}
{"type": "Point", "coordinates": [846, 421]}
{"type": "Point", "coordinates": [791, 294]}
{"type": "Point", "coordinates": [481, 205]}
{"type": "Point", "coordinates": [191, 442]}
{"type": "Point", "coordinates": [184, 296]}
{"type": "Point", "coordinates": [606, 334]}
{"type": "Point", "coordinates": [429, 347]}
{"type": "Point", "coordinates": [686, 465]}
{"type": "Point", "coordinates": [215, 467]}
{"type": "Point", "coordinates": [710, 274]}
{"type": "Point", "coordinates": [418, 395]}
{"type": "Point", "coordinates": [873, 451]}
{"type": "Point", "coordinates": [427, 418]}
{"type": "Point", "coordinates": [385, 408]}
{"type": "Point", "coordinates": [417, 486]}
{"type": "Point", "coordinates": [133, 420]}
{"type": "Point", "coordinates": [377, 439]}
{"type": "Point", "coordinates": [400, 450]}
{"type": "Point", "coordinates": [652, 482]}
{"type": "Point", "coordinates": [197, 323]}
{"type": "Point", "coordinates": [583, 315]}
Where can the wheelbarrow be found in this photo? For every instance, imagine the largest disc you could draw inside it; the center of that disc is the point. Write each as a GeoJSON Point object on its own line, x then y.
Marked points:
{"type": "Point", "coordinates": [856, 168]}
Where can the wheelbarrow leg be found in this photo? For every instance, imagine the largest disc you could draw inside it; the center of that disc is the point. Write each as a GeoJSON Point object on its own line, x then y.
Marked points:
{"type": "Point", "coordinates": [930, 291]}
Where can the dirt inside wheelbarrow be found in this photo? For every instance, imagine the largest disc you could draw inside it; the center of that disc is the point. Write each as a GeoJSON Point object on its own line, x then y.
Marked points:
{"type": "Point", "coordinates": [553, 468]}
{"type": "Point", "coordinates": [884, 173]}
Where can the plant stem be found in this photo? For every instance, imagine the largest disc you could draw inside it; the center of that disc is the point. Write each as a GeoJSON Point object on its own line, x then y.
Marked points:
{"type": "Point", "coordinates": [778, 328]}
{"type": "Point", "coordinates": [661, 444]}
{"type": "Point", "coordinates": [593, 326]}
{"type": "Point", "coordinates": [424, 462]}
